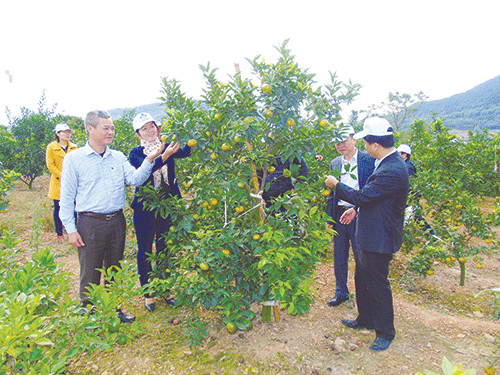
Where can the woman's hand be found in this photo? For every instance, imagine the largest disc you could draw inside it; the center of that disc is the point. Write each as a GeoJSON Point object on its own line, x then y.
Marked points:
{"type": "Point", "coordinates": [171, 149]}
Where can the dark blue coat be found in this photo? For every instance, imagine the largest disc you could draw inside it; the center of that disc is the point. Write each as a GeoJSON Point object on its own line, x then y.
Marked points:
{"type": "Point", "coordinates": [365, 169]}
{"type": "Point", "coordinates": [382, 203]}
{"type": "Point", "coordinates": [277, 184]}
{"type": "Point", "coordinates": [136, 158]}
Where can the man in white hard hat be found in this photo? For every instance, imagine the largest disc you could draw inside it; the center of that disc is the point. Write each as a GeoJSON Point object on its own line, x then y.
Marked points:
{"type": "Point", "coordinates": [355, 167]}
{"type": "Point", "coordinates": [379, 230]}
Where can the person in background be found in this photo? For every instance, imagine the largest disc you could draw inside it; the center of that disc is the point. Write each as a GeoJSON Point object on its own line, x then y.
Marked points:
{"type": "Point", "coordinates": [379, 230]}
{"type": "Point", "coordinates": [54, 155]}
{"type": "Point", "coordinates": [93, 185]}
{"type": "Point", "coordinates": [355, 167]}
{"type": "Point", "coordinates": [405, 152]}
{"type": "Point", "coordinates": [150, 225]}
{"type": "Point", "coordinates": [279, 181]}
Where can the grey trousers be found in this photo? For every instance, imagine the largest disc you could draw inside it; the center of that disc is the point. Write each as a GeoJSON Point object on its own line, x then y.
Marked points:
{"type": "Point", "coordinates": [104, 245]}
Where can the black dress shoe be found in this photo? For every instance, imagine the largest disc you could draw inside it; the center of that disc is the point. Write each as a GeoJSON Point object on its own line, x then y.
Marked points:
{"type": "Point", "coordinates": [150, 306]}
{"type": "Point", "coordinates": [380, 344]}
{"type": "Point", "coordinates": [354, 324]}
{"type": "Point", "coordinates": [335, 301]}
{"type": "Point", "coordinates": [125, 318]}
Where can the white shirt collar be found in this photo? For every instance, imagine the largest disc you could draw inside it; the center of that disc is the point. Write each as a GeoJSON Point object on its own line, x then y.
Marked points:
{"type": "Point", "coordinates": [378, 161]}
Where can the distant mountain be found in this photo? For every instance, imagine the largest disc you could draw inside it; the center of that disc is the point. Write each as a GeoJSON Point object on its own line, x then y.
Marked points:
{"type": "Point", "coordinates": [157, 110]}
{"type": "Point", "coordinates": [474, 109]}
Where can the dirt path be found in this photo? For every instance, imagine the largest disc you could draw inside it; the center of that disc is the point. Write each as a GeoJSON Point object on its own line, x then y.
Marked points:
{"type": "Point", "coordinates": [428, 322]}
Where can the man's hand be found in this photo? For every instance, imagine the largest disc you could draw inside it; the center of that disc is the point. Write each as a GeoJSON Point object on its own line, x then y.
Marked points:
{"type": "Point", "coordinates": [348, 216]}
{"type": "Point", "coordinates": [331, 182]}
{"type": "Point", "coordinates": [75, 239]}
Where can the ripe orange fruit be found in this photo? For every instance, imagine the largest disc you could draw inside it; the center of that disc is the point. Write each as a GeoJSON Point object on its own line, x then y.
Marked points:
{"type": "Point", "coordinates": [192, 143]}
{"type": "Point", "coordinates": [225, 147]}
{"type": "Point", "coordinates": [186, 185]}
{"type": "Point", "coordinates": [213, 156]}
{"type": "Point", "coordinates": [266, 88]}
{"type": "Point", "coordinates": [271, 169]}
{"type": "Point", "coordinates": [267, 113]}
{"type": "Point", "coordinates": [239, 209]}
{"type": "Point", "coordinates": [208, 133]}
{"type": "Point", "coordinates": [462, 260]}
{"type": "Point", "coordinates": [204, 266]}
{"type": "Point", "coordinates": [488, 240]}
{"type": "Point", "coordinates": [290, 122]}
{"type": "Point", "coordinates": [458, 206]}
{"type": "Point", "coordinates": [430, 272]}
{"type": "Point", "coordinates": [196, 216]}
{"type": "Point", "coordinates": [323, 123]}
{"type": "Point", "coordinates": [326, 192]}
{"type": "Point", "coordinates": [227, 252]}
{"type": "Point", "coordinates": [243, 159]}
{"type": "Point", "coordinates": [256, 237]}
{"type": "Point", "coordinates": [231, 327]}
{"type": "Point", "coordinates": [213, 202]}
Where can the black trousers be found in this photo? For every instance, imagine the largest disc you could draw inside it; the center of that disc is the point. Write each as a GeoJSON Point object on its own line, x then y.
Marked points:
{"type": "Point", "coordinates": [104, 246]}
{"type": "Point", "coordinates": [374, 294]}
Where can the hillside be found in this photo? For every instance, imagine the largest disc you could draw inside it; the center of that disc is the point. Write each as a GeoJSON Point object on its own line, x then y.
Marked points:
{"type": "Point", "coordinates": [155, 109]}
{"type": "Point", "coordinates": [474, 109]}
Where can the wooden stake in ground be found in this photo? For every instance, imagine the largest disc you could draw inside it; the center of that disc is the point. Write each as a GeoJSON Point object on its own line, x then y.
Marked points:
{"type": "Point", "coordinates": [254, 169]}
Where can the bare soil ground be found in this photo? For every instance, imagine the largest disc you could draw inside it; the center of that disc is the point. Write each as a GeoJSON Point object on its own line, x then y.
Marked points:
{"type": "Point", "coordinates": [434, 318]}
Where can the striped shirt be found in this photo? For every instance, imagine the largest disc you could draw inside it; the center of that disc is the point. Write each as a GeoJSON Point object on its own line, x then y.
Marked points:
{"type": "Point", "coordinates": [95, 183]}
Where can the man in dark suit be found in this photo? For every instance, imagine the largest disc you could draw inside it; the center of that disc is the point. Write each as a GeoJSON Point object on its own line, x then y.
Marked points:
{"type": "Point", "coordinates": [354, 167]}
{"type": "Point", "coordinates": [405, 151]}
{"type": "Point", "coordinates": [379, 230]}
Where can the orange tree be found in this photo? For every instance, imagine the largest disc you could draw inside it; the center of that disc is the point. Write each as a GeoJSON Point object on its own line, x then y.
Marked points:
{"type": "Point", "coordinates": [449, 179]}
{"type": "Point", "coordinates": [225, 250]}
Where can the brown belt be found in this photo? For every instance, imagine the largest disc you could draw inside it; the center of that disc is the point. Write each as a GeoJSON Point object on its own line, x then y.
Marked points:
{"type": "Point", "coordinates": [101, 216]}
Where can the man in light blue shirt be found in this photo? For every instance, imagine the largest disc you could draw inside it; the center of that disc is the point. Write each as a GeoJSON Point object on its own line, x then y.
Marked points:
{"type": "Point", "coordinates": [93, 183]}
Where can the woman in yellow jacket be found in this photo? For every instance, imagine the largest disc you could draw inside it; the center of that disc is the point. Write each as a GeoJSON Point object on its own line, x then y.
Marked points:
{"type": "Point", "coordinates": [54, 158]}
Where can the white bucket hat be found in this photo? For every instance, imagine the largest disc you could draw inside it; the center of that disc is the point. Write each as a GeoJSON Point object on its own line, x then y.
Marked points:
{"type": "Point", "coordinates": [142, 119]}
{"type": "Point", "coordinates": [375, 126]}
{"type": "Point", "coordinates": [62, 128]}
{"type": "Point", "coordinates": [404, 148]}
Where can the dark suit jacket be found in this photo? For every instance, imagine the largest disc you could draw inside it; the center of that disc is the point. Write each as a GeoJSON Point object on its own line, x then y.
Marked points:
{"type": "Point", "coordinates": [412, 170]}
{"type": "Point", "coordinates": [365, 169]}
{"type": "Point", "coordinates": [382, 203]}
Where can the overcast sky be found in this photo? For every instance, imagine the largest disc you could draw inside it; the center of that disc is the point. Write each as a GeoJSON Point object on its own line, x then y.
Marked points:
{"type": "Point", "coordinates": [106, 54]}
